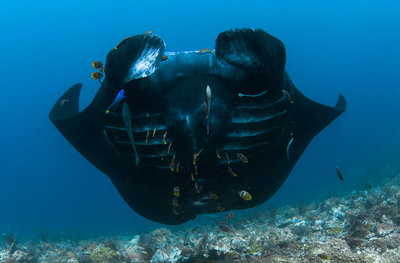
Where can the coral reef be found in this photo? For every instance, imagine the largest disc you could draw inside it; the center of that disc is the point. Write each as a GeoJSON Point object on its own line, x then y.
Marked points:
{"type": "Point", "coordinates": [361, 227]}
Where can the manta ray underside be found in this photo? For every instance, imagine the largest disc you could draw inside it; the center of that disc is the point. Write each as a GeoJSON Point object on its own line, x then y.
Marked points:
{"type": "Point", "coordinates": [194, 132]}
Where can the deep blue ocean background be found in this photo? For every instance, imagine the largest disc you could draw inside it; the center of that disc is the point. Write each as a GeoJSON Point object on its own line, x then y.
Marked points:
{"type": "Point", "coordinates": [349, 47]}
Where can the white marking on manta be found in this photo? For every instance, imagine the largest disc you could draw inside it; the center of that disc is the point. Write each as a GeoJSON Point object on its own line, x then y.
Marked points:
{"type": "Point", "coordinates": [260, 119]}
{"type": "Point", "coordinates": [235, 147]}
{"type": "Point", "coordinates": [137, 129]}
{"type": "Point", "coordinates": [224, 162]}
{"type": "Point", "coordinates": [288, 148]}
{"type": "Point", "coordinates": [249, 133]}
{"type": "Point", "coordinates": [173, 53]}
{"type": "Point", "coordinates": [253, 95]}
{"type": "Point", "coordinates": [145, 65]}
{"type": "Point", "coordinates": [159, 155]}
{"type": "Point", "coordinates": [114, 128]}
{"type": "Point", "coordinates": [261, 106]}
{"type": "Point", "coordinates": [150, 143]}
{"type": "Point", "coordinates": [146, 115]}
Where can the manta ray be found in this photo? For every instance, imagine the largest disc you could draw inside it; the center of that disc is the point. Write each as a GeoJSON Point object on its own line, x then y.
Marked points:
{"type": "Point", "coordinates": [187, 133]}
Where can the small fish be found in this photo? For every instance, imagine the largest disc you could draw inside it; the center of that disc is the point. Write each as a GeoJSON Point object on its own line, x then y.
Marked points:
{"type": "Point", "coordinates": [218, 156]}
{"type": "Point", "coordinates": [172, 164]}
{"type": "Point", "coordinates": [169, 147]}
{"type": "Point", "coordinates": [223, 223]}
{"type": "Point", "coordinates": [164, 58]}
{"type": "Point", "coordinates": [245, 195]}
{"type": "Point", "coordinates": [339, 173]}
{"type": "Point", "coordinates": [242, 158]}
{"type": "Point", "coordinates": [224, 228]}
{"type": "Point", "coordinates": [177, 167]}
{"type": "Point", "coordinates": [213, 196]}
{"type": "Point", "coordinates": [323, 256]}
{"type": "Point", "coordinates": [117, 101]}
{"type": "Point", "coordinates": [367, 225]}
{"type": "Point", "coordinates": [175, 202]}
{"type": "Point", "coordinates": [288, 148]}
{"type": "Point", "coordinates": [195, 155]}
{"type": "Point", "coordinates": [221, 209]}
{"type": "Point", "coordinates": [227, 159]}
{"type": "Point", "coordinates": [208, 96]}
{"type": "Point", "coordinates": [177, 191]}
{"type": "Point", "coordinates": [192, 177]}
{"type": "Point", "coordinates": [287, 94]}
{"type": "Point", "coordinates": [154, 132]}
{"type": "Point", "coordinates": [147, 136]}
{"type": "Point", "coordinates": [96, 75]}
{"type": "Point", "coordinates": [175, 211]}
{"type": "Point", "coordinates": [229, 216]}
{"type": "Point", "coordinates": [97, 64]}
{"type": "Point", "coordinates": [122, 42]}
{"type": "Point", "coordinates": [101, 69]}
{"type": "Point", "coordinates": [198, 187]}
{"type": "Point", "coordinates": [164, 137]}
{"type": "Point", "coordinates": [205, 50]}
{"type": "Point", "coordinates": [63, 101]}
{"type": "Point", "coordinates": [206, 109]}
{"type": "Point", "coordinates": [231, 172]}
{"type": "Point", "coordinates": [147, 32]}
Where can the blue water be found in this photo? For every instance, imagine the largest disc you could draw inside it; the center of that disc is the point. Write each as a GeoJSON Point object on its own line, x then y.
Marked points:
{"type": "Point", "coordinates": [349, 47]}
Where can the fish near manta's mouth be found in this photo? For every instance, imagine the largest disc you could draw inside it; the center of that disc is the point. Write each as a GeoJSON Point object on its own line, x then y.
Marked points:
{"type": "Point", "coordinates": [194, 146]}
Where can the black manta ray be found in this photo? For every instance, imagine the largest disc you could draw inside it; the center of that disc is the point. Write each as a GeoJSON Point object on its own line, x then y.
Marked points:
{"type": "Point", "coordinates": [186, 133]}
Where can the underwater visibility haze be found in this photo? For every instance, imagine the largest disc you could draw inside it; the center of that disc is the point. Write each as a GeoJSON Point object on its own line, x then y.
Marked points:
{"type": "Point", "coordinates": [337, 47]}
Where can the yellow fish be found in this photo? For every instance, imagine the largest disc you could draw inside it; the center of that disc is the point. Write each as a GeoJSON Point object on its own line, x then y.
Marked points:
{"type": "Point", "coordinates": [122, 42]}
{"type": "Point", "coordinates": [177, 191]}
{"type": "Point", "coordinates": [229, 216]}
{"type": "Point", "coordinates": [213, 196]}
{"type": "Point", "coordinates": [227, 158]}
{"type": "Point", "coordinates": [287, 94]}
{"type": "Point", "coordinates": [175, 202]}
{"type": "Point", "coordinates": [172, 164]}
{"type": "Point", "coordinates": [164, 137]}
{"type": "Point", "coordinates": [195, 155]}
{"type": "Point", "coordinates": [97, 64]}
{"type": "Point", "coordinates": [242, 158]}
{"type": "Point", "coordinates": [192, 177]}
{"type": "Point", "coordinates": [231, 172]}
{"type": "Point", "coordinates": [205, 50]}
{"type": "Point", "coordinates": [96, 75]}
{"type": "Point", "coordinates": [245, 195]}
{"type": "Point", "coordinates": [218, 156]}
{"type": "Point", "coordinates": [175, 211]}
{"type": "Point", "coordinates": [169, 147]}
